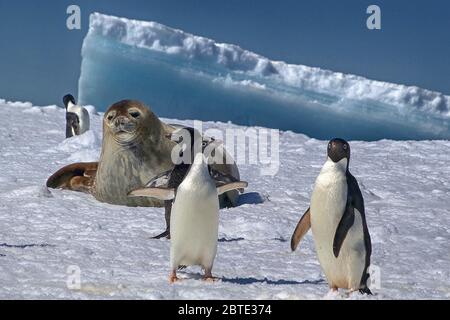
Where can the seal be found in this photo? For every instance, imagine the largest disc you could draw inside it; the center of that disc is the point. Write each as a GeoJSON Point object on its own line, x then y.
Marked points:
{"type": "Point", "coordinates": [337, 219]}
{"type": "Point", "coordinates": [195, 217]}
{"type": "Point", "coordinates": [134, 150]}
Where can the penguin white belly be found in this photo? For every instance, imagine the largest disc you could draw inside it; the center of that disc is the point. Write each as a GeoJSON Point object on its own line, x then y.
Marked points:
{"type": "Point", "coordinates": [328, 203]}
{"type": "Point", "coordinates": [194, 225]}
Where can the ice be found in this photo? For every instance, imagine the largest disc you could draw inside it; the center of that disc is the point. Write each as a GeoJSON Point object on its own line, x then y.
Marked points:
{"type": "Point", "coordinates": [190, 77]}
{"type": "Point", "coordinates": [405, 185]}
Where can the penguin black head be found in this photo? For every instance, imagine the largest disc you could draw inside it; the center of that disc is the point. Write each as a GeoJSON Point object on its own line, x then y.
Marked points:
{"type": "Point", "coordinates": [338, 149]}
{"type": "Point", "coordinates": [68, 98]}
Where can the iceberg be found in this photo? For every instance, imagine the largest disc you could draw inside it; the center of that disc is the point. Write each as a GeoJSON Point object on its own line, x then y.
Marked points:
{"type": "Point", "coordinates": [184, 76]}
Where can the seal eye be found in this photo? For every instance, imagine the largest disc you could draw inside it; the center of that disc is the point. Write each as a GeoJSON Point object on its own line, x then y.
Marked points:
{"type": "Point", "coordinates": [134, 114]}
{"type": "Point", "coordinates": [110, 116]}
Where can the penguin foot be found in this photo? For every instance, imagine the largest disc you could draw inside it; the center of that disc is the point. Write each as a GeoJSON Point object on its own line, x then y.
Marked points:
{"type": "Point", "coordinates": [173, 277]}
{"type": "Point", "coordinates": [210, 279]}
{"type": "Point", "coordinates": [208, 276]}
{"type": "Point", "coordinates": [161, 235]}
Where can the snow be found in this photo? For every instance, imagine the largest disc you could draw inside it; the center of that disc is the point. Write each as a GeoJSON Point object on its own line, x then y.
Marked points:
{"type": "Point", "coordinates": [193, 77]}
{"type": "Point", "coordinates": [405, 184]}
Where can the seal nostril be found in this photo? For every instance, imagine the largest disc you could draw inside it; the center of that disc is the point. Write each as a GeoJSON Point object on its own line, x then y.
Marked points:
{"type": "Point", "coordinates": [120, 120]}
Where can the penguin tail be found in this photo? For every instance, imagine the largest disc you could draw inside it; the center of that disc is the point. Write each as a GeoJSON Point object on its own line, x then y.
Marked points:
{"type": "Point", "coordinates": [365, 290]}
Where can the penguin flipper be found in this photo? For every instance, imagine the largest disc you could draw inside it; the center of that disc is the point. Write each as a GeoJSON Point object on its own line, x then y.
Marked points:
{"type": "Point", "coordinates": [302, 228]}
{"type": "Point", "coordinates": [347, 220]}
{"type": "Point", "coordinates": [155, 192]}
{"type": "Point", "coordinates": [160, 180]}
{"type": "Point", "coordinates": [228, 198]}
{"type": "Point", "coordinates": [231, 186]}
{"type": "Point", "coordinates": [72, 124]}
{"type": "Point", "coordinates": [221, 178]}
{"type": "Point", "coordinates": [76, 176]}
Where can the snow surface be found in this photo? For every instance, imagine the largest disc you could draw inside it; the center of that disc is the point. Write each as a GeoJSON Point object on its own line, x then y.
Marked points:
{"type": "Point", "coordinates": [196, 78]}
{"type": "Point", "coordinates": [405, 184]}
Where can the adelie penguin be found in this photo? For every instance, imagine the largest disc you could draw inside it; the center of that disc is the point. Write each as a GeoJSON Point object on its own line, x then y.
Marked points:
{"type": "Point", "coordinates": [337, 219]}
{"type": "Point", "coordinates": [77, 117]}
{"type": "Point", "coordinates": [194, 223]}
{"type": "Point", "coordinates": [189, 141]}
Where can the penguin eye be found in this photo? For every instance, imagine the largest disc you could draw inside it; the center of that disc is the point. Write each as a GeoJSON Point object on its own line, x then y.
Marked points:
{"type": "Point", "coordinates": [204, 144]}
{"type": "Point", "coordinates": [345, 147]}
{"type": "Point", "coordinates": [329, 145]}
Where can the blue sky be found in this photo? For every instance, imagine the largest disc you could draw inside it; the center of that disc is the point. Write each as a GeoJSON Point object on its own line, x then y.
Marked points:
{"type": "Point", "coordinates": [40, 58]}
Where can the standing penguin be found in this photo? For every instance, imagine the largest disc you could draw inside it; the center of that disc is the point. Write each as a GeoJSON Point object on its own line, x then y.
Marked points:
{"type": "Point", "coordinates": [77, 117]}
{"type": "Point", "coordinates": [190, 138]}
{"type": "Point", "coordinates": [195, 216]}
{"type": "Point", "coordinates": [337, 219]}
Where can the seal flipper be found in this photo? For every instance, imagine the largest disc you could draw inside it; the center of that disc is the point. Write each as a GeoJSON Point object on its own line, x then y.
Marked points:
{"type": "Point", "coordinates": [302, 228]}
{"type": "Point", "coordinates": [154, 192]}
{"type": "Point", "coordinates": [75, 176]}
{"type": "Point", "coordinates": [82, 184]}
